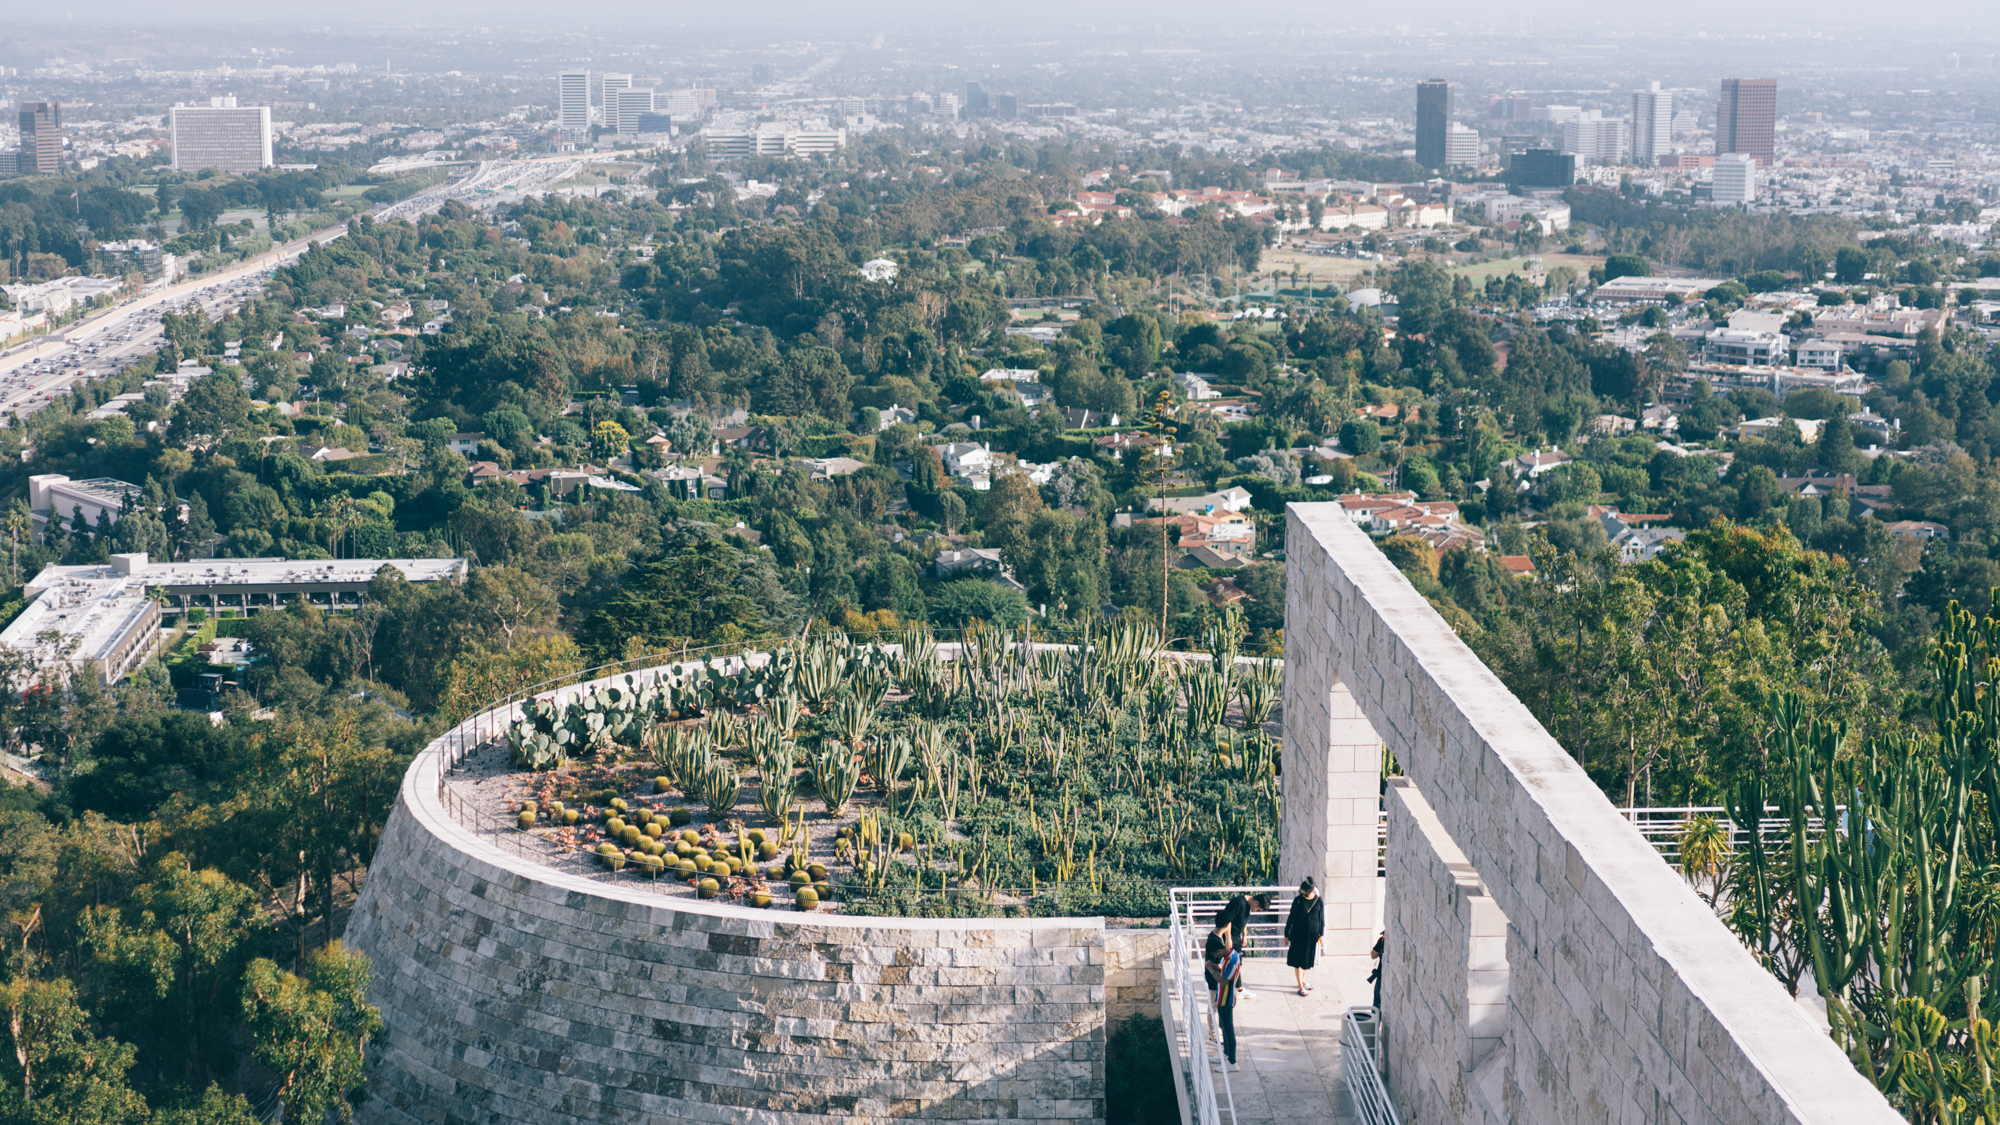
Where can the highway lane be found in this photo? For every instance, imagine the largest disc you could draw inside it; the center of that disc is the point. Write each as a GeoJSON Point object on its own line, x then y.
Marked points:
{"type": "Point", "coordinates": [35, 373]}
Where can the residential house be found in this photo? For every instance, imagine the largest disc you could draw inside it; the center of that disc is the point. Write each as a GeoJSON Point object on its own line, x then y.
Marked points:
{"type": "Point", "coordinates": [1225, 591]}
{"type": "Point", "coordinates": [1120, 442]}
{"type": "Point", "coordinates": [896, 415]}
{"type": "Point", "coordinates": [964, 458]}
{"type": "Point", "coordinates": [465, 445]}
{"type": "Point", "coordinates": [1011, 375]}
{"type": "Point", "coordinates": [1917, 529]}
{"type": "Point", "coordinates": [1201, 557]}
{"type": "Point", "coordinates": [1661, 419]}
{"type": "Point", "coordinates": [1231, 499]}
{"type": "Point", "coordinates": [1195, 386]}
{"type": "Point", "coordinates": [1532, 465]}
{"type": "Point", "coordinates": [975, 562]}
{"type": "Point", "coordinates": [1520, 566]}
{"type": "Point", "coordinates": [1076, 418]}
{"type": "Point", "coordinates": [826, 468]}
{"type": "Point", "coordinates": [1613, 425]}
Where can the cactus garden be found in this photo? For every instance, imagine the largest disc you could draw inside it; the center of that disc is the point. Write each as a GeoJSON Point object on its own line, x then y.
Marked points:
{"type": "Point", "coordinates": [898, 776]}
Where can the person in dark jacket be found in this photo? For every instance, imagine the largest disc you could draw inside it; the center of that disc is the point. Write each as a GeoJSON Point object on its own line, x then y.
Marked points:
{"type": "Point", "coordinates": [1222, 965]}
{"type": "Point", "coordinates": [1304, 927]}
{"type": "Point", "coordinates": [1237, 912]}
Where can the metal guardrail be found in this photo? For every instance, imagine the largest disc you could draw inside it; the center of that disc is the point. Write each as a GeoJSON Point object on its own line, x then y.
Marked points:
{"type": "Point", "coordinates": [1660, 826]}
{"type": "Point", "coordinates": [1191, 916]}
{"type": "Point", "coordinates": [1361, 1066]}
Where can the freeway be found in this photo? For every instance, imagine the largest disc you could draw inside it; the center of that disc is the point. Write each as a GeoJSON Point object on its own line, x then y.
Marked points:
{"type": "Point", "coordinates": [35, 373]}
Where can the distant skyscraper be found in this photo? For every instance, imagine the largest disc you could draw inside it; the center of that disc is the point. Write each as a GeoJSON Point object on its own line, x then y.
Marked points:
{"type": "Point", "coordinates": [1652, 124]}
{"type": "Point", "coordinates": [1542, 167]}
{"type": "Point", "coordinates": [1461, 146]}
{"type": "Point", "coordinates": [41, 138]}
{"type": "Point", "coordinates": [976, 102]}
{"type": "Point", "coordinates": [573, 105]}
{"type": "Point", "coordinates": [624, 108]}
{"type": "Point", "coordinates": [1735, 178]}
{"type": "Point", "coordinates": [1746, 118]}
{"type": "Point", "coordinates": [1593, 137]}
{"type": "Point", "coordinates": [221, 135]}
{"type": "Point", "coordinates": [608, 99]}
{"type": "Point", "coordinates": [1433, 119]}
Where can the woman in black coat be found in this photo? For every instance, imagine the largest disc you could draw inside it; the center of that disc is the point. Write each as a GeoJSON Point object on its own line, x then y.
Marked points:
{"type": "Point", "coordinates": [1303, 928]}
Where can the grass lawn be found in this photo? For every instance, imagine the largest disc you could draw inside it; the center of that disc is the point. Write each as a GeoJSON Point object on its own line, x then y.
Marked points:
{"type": "Point", "coordinates": [1478, 272]}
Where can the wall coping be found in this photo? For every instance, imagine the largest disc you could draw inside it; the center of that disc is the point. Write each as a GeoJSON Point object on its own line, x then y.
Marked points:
{"type": "Point", "coordinates": [420, 797]}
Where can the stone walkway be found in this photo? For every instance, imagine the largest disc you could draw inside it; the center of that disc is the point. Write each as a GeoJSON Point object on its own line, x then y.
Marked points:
{"type": "Point", "coordinates": [1288, 1046]}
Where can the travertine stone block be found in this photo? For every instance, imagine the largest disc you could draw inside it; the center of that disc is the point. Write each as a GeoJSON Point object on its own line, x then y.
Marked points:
{"type": "Point", "coordinates": [1588, 984]}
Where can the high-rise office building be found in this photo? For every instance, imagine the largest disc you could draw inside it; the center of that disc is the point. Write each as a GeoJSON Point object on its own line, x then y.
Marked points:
{"type": "Point", "coordinates": [1433, 117]}
{"type": "Point", "coordinates": [1509, 107]}
{"type": "Point", "coordinates": [1746, 118]}
{"type": "Point", "coordinates": [1006, 105]}
{"type": "Point", "coordinates": [608, 98]}
{"type": "Point", "coordinates": [1735, 178]}
{"type": "Point", "coordinates": [623, 109]}
{"type": "Point", "coordinates": [573, 102]}
{"type": "Point", "coordinates": [977, 104]}
{"type": "Point", "coordinates": [41, 139]}
{"type": "Point", "coordinates": [1461, 146]}
{"type": "Point", "coordinates": [221, 134]}
{"type": "Point", "coordinates": [1652, 124]}
{"type": "Point", "coordinates": [1541, 167]}
{"type": "Point", "coordinates": [1590, 136]}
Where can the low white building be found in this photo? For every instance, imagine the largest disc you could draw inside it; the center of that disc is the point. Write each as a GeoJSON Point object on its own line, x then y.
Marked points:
{"type": "Point", "coordinates": [110, 614]}
{"type": "Point", "coordinates": [1820, 354]}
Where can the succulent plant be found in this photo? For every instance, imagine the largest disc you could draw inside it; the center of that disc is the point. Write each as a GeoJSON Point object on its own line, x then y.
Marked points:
{"type": "Point", "coordinates": [798, 879]}
{"type": "Point", "coordinates": [555, 806]}
{"type": "Point", "coordinates": [807, 898]}
{"type": "Point", "coordinates": [569, 816]}
{"type": "Point", "coordinates": [761, 899]}
{"type": "Point", "coordinates": [614, 859]}
{"type": "Point", "coordinates": [526, 820]}
{"type": "Point", "coordinates": [735, 865]}
{"type": "Point", "coordinates": [679, 817]}
{"type": "Point", "coordinates": [613, 825]}
{"type": "Point", "coordinates": [630, 835]}
{"type": "Point", "coordinates": [654, 847]}
{"type": "Point", "coordinates": [906, 842]}
{"type": "Point", "coordinates": [757, 836]}
{"type": "Point", "coordinates": [817, 871]}
{"type": "Point", "coordinates": [691, 836]}
{"type": "Point", "coordinates": [618, 803]}
{"type": "Point", "coordinates": [530, 807]}
{"type": "Point", "coordinates": [662, 784]}
{"type": "Point", "coordinates": [835, 772]}
{"type": "Point", "coordinates": [708, 888]}
{"type": "Point", "coordinates": [767, 850]}
{"type": "Point", "coordinates": [649, 866]}
{"type": "Point", "coordinates": [685, 868]}
{"type": "Point", "coordinates": [655, 830]}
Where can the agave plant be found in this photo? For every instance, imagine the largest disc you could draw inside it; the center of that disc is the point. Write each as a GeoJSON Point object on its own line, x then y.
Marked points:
{"type": "Point", "coordinates": [783, 711]}
{"type": "Point", "coordinates": [1207, 699]}
{"type": "Point", "coordinates": [850, 717]}
{"type": "Point", "coordinates": [777, 794]}
{"type": "Point", "coordinates": [821, 668]}
{"type": "Point", "coordinates": [720, 788]}
{"type": "Point", "coordinates": [835, 772]}
{"type": "Point", "coordinates": [1258, 692]}
{"type": "Point", "coordinates": [888, 759]}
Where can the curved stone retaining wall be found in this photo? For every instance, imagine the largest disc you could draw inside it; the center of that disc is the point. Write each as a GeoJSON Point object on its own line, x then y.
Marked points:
{"type": "Point", "coordinates": [514, 993]}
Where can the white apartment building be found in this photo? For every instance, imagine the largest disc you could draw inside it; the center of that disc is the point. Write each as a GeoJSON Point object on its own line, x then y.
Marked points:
{"type": "Point", "coordinates": [773, 138]}
{"type": "Point", "coordinates": [623, 108]}
{"type": "Point", "coordinates": [573, 102]}
{"type": "Point", "coordinates": [1594, 138]}
{"type": "Point", "coordinates": [610, 85]}
{"type": "Point", "coordinates": [1461, 146]}
{"type": "Point", "coordinates": [1735, 179]}
{"type": "Point", "coordinates": [221, 134]}
{"type": "Point", "coordinates": [1652, 124]}
{"type": "Point", "coordinates": [1551, 215]}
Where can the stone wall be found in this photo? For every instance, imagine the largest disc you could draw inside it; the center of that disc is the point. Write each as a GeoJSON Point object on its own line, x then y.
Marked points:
{"type": "Point", "coordinates": [1132, 960]}
{"type": "Point", "coordinates": [1444, 972]}
{"type": "Point", "coordinates": [1629, 1001]}
{"type": "Point", "coordinates": [513, 993]}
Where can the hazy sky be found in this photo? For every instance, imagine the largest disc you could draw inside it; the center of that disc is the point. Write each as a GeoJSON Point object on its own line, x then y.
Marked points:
{"type": "Point", "coordinates": [1980, 19]}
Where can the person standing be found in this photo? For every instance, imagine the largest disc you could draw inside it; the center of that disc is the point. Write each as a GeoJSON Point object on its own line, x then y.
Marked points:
{"type": "Point", "coordinates": [1304, 927]}
{"type": "Point", "coordinates": [1222, 964]}
{"type": "Point", "coordinates": [1237, 912]}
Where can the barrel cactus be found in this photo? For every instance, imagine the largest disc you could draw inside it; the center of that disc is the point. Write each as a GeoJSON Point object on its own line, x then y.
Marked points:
{"type": "Point", "coordinates": [650, 866]}
{"type": "Point", "coordinates": [685, 868]}
{"type": "Point", "coordinates": [569, 816]}
{"type": "Point", "coordinates": [767, 850]}
{"type": "Point", "coordinates": [708, 888]}
{"type": "Point", "coordinates": [630, 835]}
{"type": "Point", "coordinates": [799, 879]}
{"type": "Point", "coordinates": [526, 820]}
{"type": "Point", "coordinates": [680, 817]}
{"type": "Point", "coordinates": [662, 784]}
{"type": "Point", "coordinates": [761, 899]}
{"type": "Point", "coordinates": [614, 825]}
{"type": "Point", "coordinates": [807, 898]}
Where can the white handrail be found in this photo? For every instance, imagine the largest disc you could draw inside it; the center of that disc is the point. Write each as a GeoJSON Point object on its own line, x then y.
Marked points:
{"type": "Point", "coordinates": [1191, 915]}
{"type": "Point", "coordinates": [1361, 1066]}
